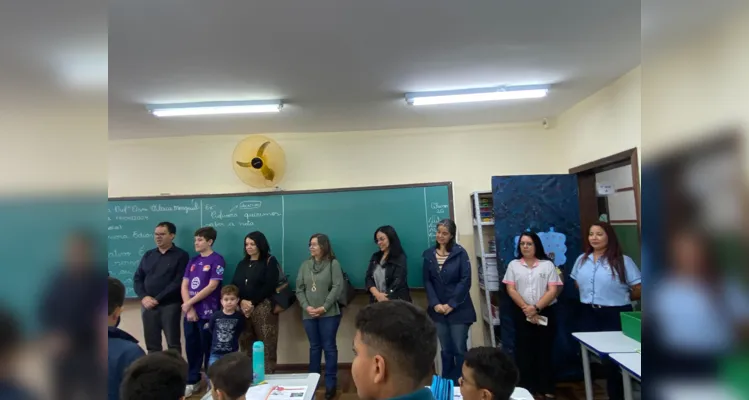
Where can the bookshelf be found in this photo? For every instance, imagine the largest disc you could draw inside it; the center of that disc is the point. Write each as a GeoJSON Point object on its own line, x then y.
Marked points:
{"type": "Point", "coordinates": [486, 255]}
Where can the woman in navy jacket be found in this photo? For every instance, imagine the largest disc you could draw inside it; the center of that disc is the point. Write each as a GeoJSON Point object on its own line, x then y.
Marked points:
{"type": "Point", "coordinates": [447, 278]}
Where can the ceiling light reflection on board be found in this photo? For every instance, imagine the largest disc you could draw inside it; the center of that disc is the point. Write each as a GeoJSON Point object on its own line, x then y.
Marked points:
{"type": "Point", "coordinates": [214, 108]}
{"type": "Point", "coordinates": [476, 95]}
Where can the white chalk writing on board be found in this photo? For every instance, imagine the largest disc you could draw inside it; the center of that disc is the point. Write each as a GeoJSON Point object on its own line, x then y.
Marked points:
{"type": "Point", "coordinates": [118, 254]}
{"type": "Point", "coordinates": [438, 208]}
{"type": "Point", "coordinates": [250, 204]}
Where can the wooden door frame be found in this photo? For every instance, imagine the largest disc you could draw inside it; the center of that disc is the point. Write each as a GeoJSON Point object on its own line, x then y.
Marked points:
{"type": "Point", "coordinates": [586, 185]}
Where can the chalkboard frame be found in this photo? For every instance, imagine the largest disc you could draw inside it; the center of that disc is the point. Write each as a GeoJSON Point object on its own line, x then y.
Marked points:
{"type": "Point", "coordinates": [448, 184]}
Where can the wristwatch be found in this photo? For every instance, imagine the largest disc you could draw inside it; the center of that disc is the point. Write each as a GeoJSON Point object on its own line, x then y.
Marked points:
{"type": "Point", "coordinates": [538, 310]}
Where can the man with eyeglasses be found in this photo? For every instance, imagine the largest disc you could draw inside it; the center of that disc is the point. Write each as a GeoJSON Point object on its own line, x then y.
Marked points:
{"type": "Point", "coordinates": [157, 283]}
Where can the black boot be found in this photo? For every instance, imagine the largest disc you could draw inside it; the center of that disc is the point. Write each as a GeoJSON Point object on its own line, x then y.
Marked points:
{"type": "Point", "coordinates": [330, 393]}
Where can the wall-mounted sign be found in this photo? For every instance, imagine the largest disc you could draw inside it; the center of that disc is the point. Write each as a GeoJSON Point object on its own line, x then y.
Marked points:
{"type": "Point", "coordinates": [605, 189]}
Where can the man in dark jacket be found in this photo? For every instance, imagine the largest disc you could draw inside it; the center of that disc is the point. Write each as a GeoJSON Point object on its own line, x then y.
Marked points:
{"type": "Point", "coordinates": [123, 349]}
{"type": "Point", "coordinates": [157, 282]}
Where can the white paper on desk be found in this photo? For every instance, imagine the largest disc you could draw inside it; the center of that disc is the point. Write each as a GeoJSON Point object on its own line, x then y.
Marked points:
{"type": "Point", "coordinates": [258, 392]}
{"type": "Point", "coordinates": [544, 321]}
{"type": "Point", "coordinates": [287, 393]}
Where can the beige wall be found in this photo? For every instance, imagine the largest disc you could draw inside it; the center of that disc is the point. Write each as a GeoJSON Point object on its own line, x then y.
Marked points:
{"type": "Point", "coordinates": [467, 156]}
{"type": "Point", "coordinates": [605, 123]}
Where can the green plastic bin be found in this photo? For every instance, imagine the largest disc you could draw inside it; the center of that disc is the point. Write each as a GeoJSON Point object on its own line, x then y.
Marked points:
{"type": "Point", "coordinates": [632, 325]}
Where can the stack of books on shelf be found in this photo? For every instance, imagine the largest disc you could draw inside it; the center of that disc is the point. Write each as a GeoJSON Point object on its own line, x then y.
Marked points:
{"type": "Point", "coordinates": [492, 246]}
{"type": "Point", "coordinates": [485, 208]}
{"type": "Point", "coordinates": [491, 280]}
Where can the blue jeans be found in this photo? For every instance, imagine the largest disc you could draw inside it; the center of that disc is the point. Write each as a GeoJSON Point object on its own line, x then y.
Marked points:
{"type": "Point", "coordinates": [322, 333]}
{"type": "Point", "coordinates": [453, 338]}
{"type": "Point", "coordinates": [213, 358]}
{"type": "Point", "coordinates": [197, 347]}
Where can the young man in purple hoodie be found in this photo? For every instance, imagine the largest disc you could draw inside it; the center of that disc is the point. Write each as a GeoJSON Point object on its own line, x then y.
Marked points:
{"type": "Point", "coordinates": [201, 296]}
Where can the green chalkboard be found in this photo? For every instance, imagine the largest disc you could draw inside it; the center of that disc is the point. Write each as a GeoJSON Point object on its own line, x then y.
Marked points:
{"type": "Point", "coordinates": [348, 216]}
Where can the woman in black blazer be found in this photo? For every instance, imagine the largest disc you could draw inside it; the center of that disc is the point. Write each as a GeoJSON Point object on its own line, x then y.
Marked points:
{"type": "Point", "coordinates": [387, 272]}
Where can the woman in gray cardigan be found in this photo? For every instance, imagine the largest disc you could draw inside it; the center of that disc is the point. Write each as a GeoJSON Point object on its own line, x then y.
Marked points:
{"type": "Point", "coordinates": [318, 285]}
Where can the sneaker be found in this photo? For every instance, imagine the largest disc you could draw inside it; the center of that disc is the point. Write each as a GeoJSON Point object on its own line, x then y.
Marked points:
{"type": "Point", "coordinates": [192, 389]}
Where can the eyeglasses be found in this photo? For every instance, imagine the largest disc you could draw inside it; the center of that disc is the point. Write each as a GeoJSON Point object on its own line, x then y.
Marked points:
{"type": "Point", "coordinates": [526, 244]}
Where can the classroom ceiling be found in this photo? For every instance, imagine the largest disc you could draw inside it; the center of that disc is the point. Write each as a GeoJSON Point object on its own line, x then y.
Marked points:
{"type": "Point", "coordinates": [344, 65]}
{"type": "Point", "coordinates": [339, 65]}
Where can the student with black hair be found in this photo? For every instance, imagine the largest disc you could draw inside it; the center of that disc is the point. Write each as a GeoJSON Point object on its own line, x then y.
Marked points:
{"type": "Point", "coordinates": [230, 377]}
{"type": "Point", "coordinates": [394, 348]}
{"type": "Point", "coordinates": [488, 374]}
{"type": "Point", "coordinates": [447, 279]}
{"type": "Point", "coordinates": [157, 376]}
{"type": "Point", "coordinates": [387, 274]}
{"type": "Point", "coordinates": [122, 348]}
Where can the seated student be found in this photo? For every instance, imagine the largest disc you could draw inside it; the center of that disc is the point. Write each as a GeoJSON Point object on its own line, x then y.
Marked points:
{"type": "Point", "coordinates": [394, 348]}
{"type": "Point", "coordinates": [201, 296]}
{"type": "Point", "coordinates": [226, 325]}
{"type": "Point", "coordinates": [157, 376]}
{"type": "Point", "coordinates": [230, 377]}
{"type": "Point", "coordinates": [488, 374]}
{"type": "Point", "coordinates": [122, 348]}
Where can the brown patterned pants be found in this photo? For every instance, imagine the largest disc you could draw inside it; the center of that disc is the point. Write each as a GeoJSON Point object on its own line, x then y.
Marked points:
{"type": "Point", "coordinates": [263, 326]}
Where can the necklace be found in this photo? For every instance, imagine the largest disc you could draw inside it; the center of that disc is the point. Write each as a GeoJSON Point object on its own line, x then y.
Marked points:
{"type": "Point", "coordinates": [312, 273]}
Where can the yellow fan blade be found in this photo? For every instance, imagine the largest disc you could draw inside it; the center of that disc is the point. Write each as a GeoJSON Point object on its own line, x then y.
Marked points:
{"type": "Point", "coordinates": [262, 149]}
{"type": "Point", "coordinates": [244, 164]}
{"type": "Point", "coordinates": [268, 173]}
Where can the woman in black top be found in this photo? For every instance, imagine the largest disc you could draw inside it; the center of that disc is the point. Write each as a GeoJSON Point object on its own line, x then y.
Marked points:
{"type": "Point", "coordinates": [256, 277]}
{"type": "Point", "coordinates": [388, 271]}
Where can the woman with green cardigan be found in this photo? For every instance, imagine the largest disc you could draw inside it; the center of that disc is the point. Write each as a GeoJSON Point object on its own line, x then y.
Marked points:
{"type": "Point", "coordinates": [318, 285]}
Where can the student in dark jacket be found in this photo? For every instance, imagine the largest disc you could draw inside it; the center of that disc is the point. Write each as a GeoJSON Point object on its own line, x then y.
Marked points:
{"type": "Point", "coordinates": [257, 277]}
{"type": "Point", "coordinates": [447, 279]}
{"type": "Point", "coordinates": [122, 348]}
{"type": "Point", "coordinates": [387, 273]}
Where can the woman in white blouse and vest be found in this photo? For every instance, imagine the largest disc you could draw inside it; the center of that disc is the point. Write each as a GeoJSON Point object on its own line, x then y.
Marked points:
{"type": "Point", "coordinates": [533, 283]}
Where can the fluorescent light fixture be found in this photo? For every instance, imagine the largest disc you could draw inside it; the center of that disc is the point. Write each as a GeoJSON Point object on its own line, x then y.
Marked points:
{"type": "Point", "coordinates": [473, 95]}
{"type": "Point", "coordinates": [214, 108]}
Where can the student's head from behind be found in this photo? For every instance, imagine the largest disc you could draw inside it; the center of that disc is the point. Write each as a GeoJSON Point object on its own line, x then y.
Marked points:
{"type": "Point", "coordinates": [164, 234]}
{"type": "Point", "coordinates": [116, 294]}
{"type": "Point", "coordinates": [320, 247]}
{"type": "Point", "coordinates": [530, 245]}
{"type": "Point", "coordinates": [230, 376]}
{"type": "Point", "coordinates": [387, 239]}
{"type": "Point", "coordinates": [446, 231]}
{"type": "Point", "coordinates": [157, 376]}
{"type": "Point", "coordinates": [229, 297]}
{"type": "Point", "coordinates": [488, 374]}
{"type": "Point", "coordinates": [204, 238]}
{"type": "Point", "coordinates": [256, 246]}
{"type": "Point", "coordinates": [10, 340]}
{"type": "Point", "coordinates": [394, 348]}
